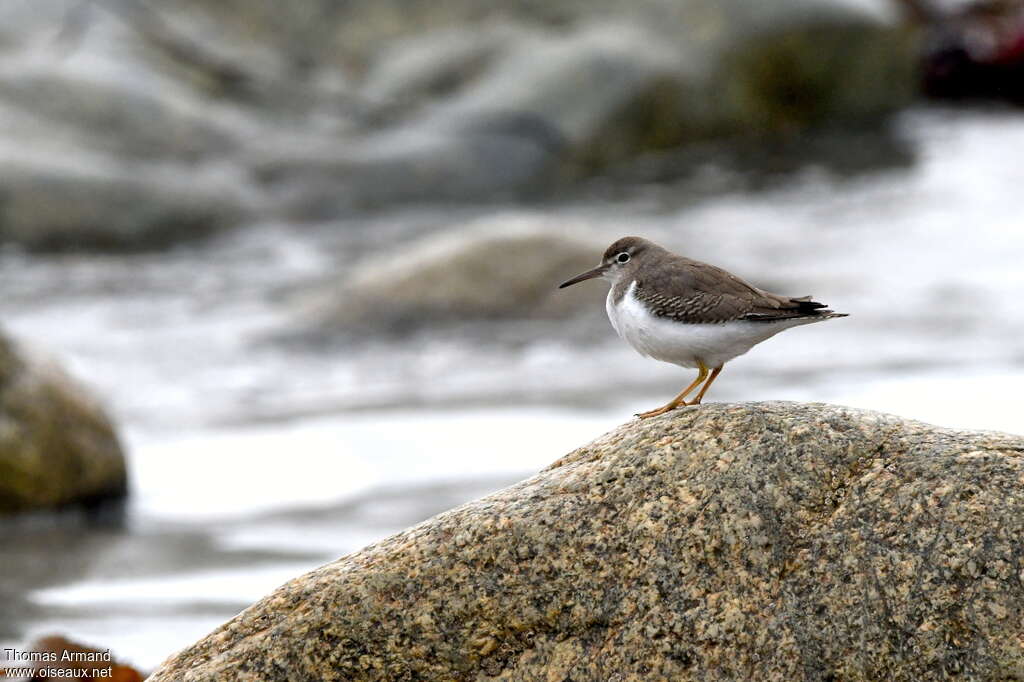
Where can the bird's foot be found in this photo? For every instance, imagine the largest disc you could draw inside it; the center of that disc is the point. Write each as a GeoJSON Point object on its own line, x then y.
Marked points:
{"type": "Point", "coordinates": [661, 410]}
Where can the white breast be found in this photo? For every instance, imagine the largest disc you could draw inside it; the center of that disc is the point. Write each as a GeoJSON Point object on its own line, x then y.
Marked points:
{"type": "Point", "coordinates": [687, 344]}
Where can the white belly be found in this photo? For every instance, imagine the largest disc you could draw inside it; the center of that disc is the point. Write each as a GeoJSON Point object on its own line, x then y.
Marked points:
{"type": "Point", "coordinates": [688, 345]}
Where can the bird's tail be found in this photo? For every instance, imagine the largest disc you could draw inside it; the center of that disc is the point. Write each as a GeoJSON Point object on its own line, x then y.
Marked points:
{"type": "Point", "coordinates": [807, 306]}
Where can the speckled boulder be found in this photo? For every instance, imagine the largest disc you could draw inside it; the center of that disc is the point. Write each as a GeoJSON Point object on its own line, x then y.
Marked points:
{"type": "Point", "coordinates": [57, 446]}
{"type": "Point", "coordinates": [762, 541]}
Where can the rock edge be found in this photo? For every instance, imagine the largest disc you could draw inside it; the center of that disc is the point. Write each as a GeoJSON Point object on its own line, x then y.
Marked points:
{"type": "Point", "coordinates": [751, 541]}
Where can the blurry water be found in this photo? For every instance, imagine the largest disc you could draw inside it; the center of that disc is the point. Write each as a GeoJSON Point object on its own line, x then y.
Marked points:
{"type": "Point", "coordinates": [254, 460]}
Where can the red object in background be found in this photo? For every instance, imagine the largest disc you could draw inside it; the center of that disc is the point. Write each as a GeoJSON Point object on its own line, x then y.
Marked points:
{"type": "Point", "coordinates": [977, 53]}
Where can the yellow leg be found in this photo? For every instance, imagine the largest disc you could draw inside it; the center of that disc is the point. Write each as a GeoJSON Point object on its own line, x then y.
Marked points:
{"type": "Point", "coordinates": [681, 398]}
{"type": "Point", "coordinates": [704, 388]}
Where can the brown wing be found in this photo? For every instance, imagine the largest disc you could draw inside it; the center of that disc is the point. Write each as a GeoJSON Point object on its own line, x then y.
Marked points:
{"type": "Point", "coordinates": [695, 292]}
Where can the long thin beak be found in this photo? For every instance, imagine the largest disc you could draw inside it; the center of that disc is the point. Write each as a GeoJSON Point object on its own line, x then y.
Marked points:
{"type": "Point", "coordinates": [589, 274]}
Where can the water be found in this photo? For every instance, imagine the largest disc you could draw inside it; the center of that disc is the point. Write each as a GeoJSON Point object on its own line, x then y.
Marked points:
{"type": "Point", "coordinates": [254, 460]}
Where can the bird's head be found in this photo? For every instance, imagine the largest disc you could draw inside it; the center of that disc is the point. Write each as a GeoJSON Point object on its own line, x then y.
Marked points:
{"type": "Point", "coordinates": [619, 259]}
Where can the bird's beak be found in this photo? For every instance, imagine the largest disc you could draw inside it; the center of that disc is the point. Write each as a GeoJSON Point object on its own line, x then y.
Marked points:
{"type": "Point", "coordinates": [589, 274]}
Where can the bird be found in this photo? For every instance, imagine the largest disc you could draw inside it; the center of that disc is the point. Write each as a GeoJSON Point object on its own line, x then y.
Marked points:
{"type": "Point", "coordinates": [688, 313]}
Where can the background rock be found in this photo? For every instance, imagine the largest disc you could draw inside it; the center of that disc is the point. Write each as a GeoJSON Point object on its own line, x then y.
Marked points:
{"type": "Point", "coordinates": [58, 206]}
{"type": "Point", "coordinates": [57, 447]}
{"type": "Point", "coordinates": [114, 118]}
{"type": "Point", "coordinates": [497, 268]}
{"type": "Point", "coordinates": [555, 97]}
{"type": "Point", "coordinates": [333, 108]}
{"type": "Point", "coordinates": [770, 541]}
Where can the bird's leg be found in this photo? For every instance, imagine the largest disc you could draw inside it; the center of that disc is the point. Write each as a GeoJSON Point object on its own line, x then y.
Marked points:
{"type": "Point", "coordinates": [704, 389]}
{"type": "Point", "coordinates": [681, 398]}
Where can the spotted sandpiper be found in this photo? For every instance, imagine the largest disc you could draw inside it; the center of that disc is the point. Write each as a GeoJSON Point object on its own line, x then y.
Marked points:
{"type": "Point", "coordinates": [689, 313]}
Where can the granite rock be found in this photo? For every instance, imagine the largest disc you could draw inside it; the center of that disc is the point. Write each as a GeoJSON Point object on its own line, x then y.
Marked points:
{"type": "Point", "coordinates": [57, 446]}
{"type": "Point", "coordinates": [769, 541]}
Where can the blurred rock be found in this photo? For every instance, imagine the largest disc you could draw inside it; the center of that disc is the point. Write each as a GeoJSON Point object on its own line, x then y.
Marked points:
{"type": "Point", "coordinates": [504, 158]}
{"type": "Point", "coordinates": [343, 107]}
{"type": "Point", "coordinates": [57, 447]}
{"type": "Point", "coordinates": [114, 118]}
{"type": "Point", "coordinates": [428, 67]}
{"type": "Point", "coordinates": [816, 74]}
{"type": "Point", "coordinates": [46, 205]}
{"type": "Point", "coordinates": [768, 541]}
{"type": "Point", "coordinates": [498, 268]}
{"type": "Point", "coordinates": [605, 92]}
{"type": "Point", "coordinates": [536, 108]}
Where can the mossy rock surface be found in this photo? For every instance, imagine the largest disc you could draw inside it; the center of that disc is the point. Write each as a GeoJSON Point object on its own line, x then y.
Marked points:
{"type": "Point", "coordinates": [762, 541]}
{"type": "Point", "coordinates": [57, 446]}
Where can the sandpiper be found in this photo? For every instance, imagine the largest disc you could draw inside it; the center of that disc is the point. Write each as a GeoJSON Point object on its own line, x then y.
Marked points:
{"type": "Point", "coordinates": [689, 313]}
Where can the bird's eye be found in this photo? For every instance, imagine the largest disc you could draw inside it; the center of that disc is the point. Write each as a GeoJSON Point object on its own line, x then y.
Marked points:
{"type": "Point", "coordinates": [622, 257]}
